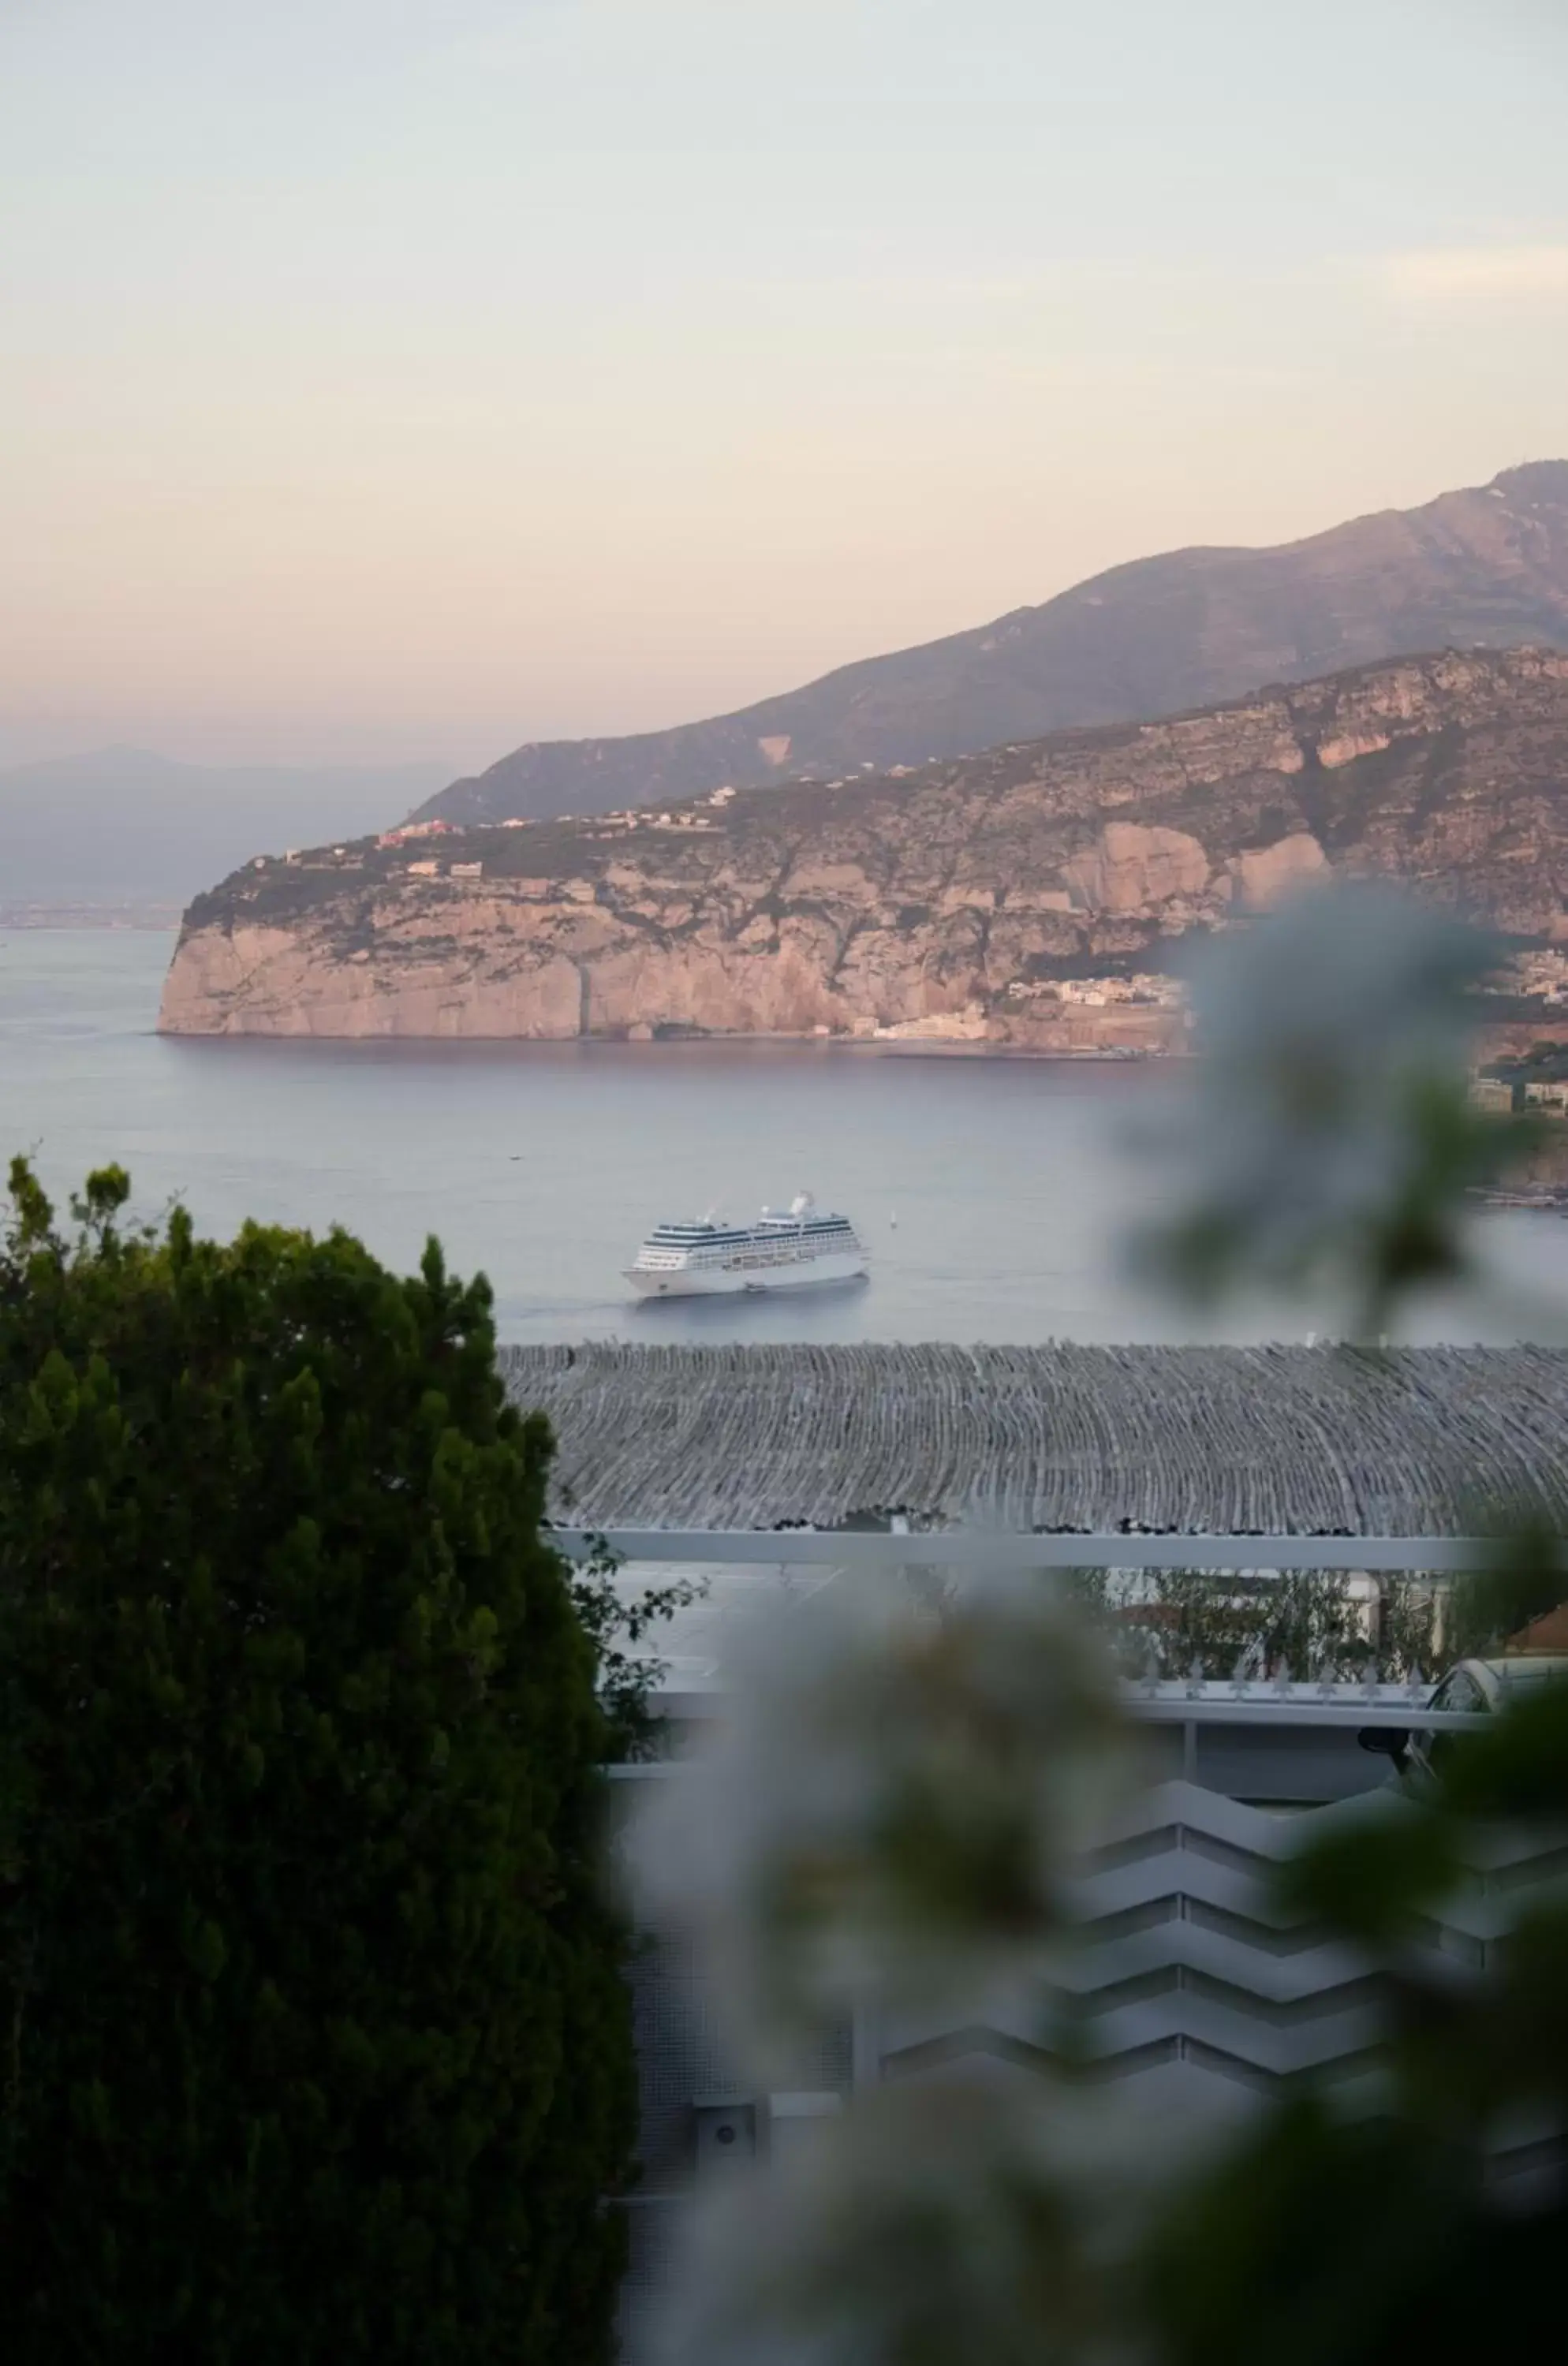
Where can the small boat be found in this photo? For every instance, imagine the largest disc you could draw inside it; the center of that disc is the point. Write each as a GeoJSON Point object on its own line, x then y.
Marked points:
{"type": "Point", "coordinates": [797, 1249]}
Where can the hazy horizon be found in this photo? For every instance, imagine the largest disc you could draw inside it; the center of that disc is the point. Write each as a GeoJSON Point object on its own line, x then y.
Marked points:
{"type": "Point", "coordinates": [388, 381]}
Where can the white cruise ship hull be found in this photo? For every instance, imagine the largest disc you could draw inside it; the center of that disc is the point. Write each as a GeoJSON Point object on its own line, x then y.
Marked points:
{"type": "Point", "coordinates": [720, 1281]}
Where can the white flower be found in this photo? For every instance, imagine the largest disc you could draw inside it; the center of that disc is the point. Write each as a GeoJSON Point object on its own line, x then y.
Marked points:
{"type": "Point", "coordinates": [890, 1813]}
{"type": "Point", "coordinates": [1326, 1121]}
{"type": "Point", "coordinates": [978, 2214]}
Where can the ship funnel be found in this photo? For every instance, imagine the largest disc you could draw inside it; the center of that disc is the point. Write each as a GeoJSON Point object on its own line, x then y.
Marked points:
{"type": "Point", "coordinates": [802, 1204]}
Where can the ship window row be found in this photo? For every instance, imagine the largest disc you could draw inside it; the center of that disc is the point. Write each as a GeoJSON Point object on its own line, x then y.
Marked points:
{"type": "Point", "coordinates": [821, 1235]}
{"type": "Point", "coordinates": [699, 1231]}
{"type": "Point", "coordinates": [708, 1246]}
{"type": "Point", "coordinates": [783, 1252]}
{"type": "Point", "coordinates": [744, 1232]}
{"type": "Point", "coordinates": [668, 1237]}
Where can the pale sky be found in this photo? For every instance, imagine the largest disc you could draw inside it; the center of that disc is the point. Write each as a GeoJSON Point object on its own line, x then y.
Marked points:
{"type": "Point", "coordinates": [397, 379]}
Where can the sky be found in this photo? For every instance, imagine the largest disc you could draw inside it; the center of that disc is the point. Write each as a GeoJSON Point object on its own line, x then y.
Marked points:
{"type": "Point", "coordinates": [397, 379]}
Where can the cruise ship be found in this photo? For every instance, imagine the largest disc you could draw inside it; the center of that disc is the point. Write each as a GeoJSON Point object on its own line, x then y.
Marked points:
{"type": "Point", "coordinates": [778, 1252]}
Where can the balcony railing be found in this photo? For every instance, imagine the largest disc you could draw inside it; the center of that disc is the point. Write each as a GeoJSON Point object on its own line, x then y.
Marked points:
{"type": "Point", "coordinates": [988, 1548]}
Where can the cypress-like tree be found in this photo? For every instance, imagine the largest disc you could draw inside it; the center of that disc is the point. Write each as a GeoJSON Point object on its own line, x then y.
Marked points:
{"type": "Point", "coordinates": [313, 2044]}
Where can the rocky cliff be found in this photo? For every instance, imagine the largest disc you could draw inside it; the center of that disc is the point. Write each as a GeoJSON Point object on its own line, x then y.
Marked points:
{"type": "Point", "coordinates": [958, 900]}
{"type": "Point", "coordinates": [1484, 567]}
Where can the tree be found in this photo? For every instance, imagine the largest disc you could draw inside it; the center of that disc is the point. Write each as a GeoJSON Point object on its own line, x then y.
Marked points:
{"type": "Point", "coordinates": [1489, 1606]}
{"type": "Point", "coordinates": [314, 2042]}
{"type": "Point", "coordinates": [1310, 1623]}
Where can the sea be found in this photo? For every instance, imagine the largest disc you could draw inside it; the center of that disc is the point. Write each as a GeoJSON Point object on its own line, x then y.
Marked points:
{"type": "Point", "coordinates": [997, 1194]}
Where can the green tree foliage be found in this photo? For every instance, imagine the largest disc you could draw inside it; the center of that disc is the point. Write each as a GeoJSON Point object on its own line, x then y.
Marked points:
{"type": "Point", "coordinates": [1185, 1622]}
{"type": "Point", "coordinates": [617, 1624]}
{"type": "Point", "coordinates": [1488, 1606]}
{"type": "Point", "coordinates": [314, 2044]}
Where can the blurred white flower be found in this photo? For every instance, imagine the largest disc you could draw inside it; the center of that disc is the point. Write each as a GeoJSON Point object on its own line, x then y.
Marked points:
{"type": "Point", "coordinates": [1326, 1126]}
{"type": "Point", "coordinates": [984, 2213]}
{"type": "Point", "coordinates": [890, 1813]}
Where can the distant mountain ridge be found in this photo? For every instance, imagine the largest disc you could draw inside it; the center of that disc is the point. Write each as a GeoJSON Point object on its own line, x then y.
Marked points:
{"type": "Point", "coordinates": [1485, 568]}
{"type": "Point", "coordinates": [123, 828]}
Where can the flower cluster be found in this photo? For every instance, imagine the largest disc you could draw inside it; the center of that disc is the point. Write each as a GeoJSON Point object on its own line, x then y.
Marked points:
{"type": "Point", "coordinates": [1325, 1131]}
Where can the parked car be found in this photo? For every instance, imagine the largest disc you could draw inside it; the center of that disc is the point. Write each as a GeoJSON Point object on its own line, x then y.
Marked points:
{"type": "Point", "coordinates": [1473, 1688]}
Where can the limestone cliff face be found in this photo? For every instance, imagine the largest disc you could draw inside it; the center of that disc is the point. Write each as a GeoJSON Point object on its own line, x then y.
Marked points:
{"type": "Point", "coordinates": [945, 902]}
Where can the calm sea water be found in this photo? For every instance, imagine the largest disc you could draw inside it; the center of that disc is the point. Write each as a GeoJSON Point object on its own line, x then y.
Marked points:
{"type": "Point", "coordinates": [994, 1193]}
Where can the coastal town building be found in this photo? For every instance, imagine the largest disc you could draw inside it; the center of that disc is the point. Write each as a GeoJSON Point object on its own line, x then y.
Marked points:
{"type": "Point", "coordinates": [1539, 975]}
{"type": "Point", "coordinates": [405, 831]}
{"type": "Point", "coordinates": [1144, 988]}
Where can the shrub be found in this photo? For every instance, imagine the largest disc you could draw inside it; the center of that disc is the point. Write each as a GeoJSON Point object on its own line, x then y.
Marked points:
{"type": "Point", "coordinates": [312, 2037]}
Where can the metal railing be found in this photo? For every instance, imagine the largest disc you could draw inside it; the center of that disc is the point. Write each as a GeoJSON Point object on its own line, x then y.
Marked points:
{"type": "Point", "coordinates": [1190, 1704]}
{"type": "Point", "coordinates": [986, 1549]}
